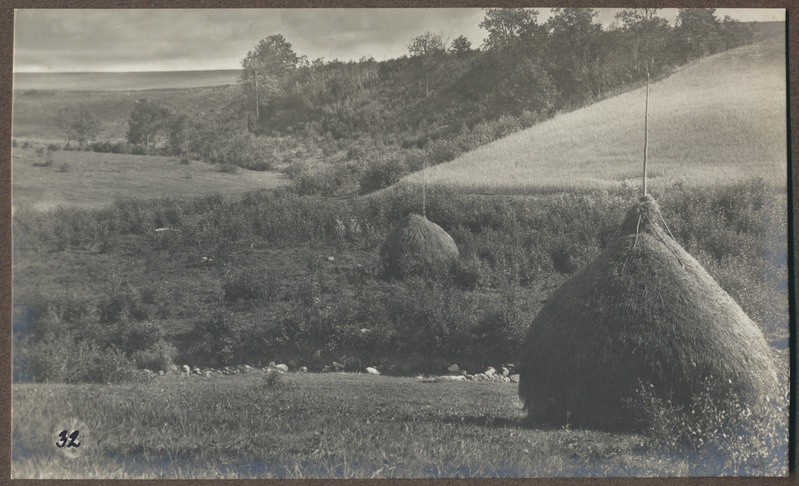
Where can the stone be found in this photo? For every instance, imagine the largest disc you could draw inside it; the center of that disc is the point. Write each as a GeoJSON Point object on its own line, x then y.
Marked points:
{"type": "Point", "coordinates": [146, 371]}
{"type": "Point", "coordinates": [196, 371]}
{"type": "Point", "coordinates": [173, 368]}
{"type": "Point", "coordinates": [160, 372]}
{"type": "Point", "coordinates": [514, 378]}
{"type": "Point", "coordinates": [331, 259]}
{"type": "Point", "coordinates": [248, 369]}
{"type": "Point", "coordinates": [452, 378]}
{"type": "Point", "coordinates": [303, 369]}
{"type": "Point", "coordinates": [505, 371]}
{"type": "Point", "coordinates": [372, 370]}
{"type": "Point", "coordinates": [208, 373]}
{"type": "Point", "coordinates": [338, 366]}
{"type": "Point", "coordinates": [490, 371]}
{"type": "Point", "coordinates": [271, 364]}
{"type": "Point", "coordinates": [282, 367]}
{"type": "Point", "coordinates": [186, 369]}
{"type": "Point", "coordinates": [454, 368]}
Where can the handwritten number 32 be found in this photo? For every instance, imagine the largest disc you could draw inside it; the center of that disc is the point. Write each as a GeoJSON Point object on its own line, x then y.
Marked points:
{"type": "Point", "coordinates": [68, 440]}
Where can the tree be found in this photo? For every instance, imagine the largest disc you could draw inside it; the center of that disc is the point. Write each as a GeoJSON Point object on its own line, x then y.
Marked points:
{"type": "Point", "coordinates": [78, 124]}
{"type": "Point", "coordinates": [460, 46]}
{"type": "Point", "coordinates": [572, 50]}
{"type": "Point", "coordinates": [148, 122]}
{"type": "Point", "coordinates": [646, 35]}
{"type": "Point", "coordinates": [508, 26]}
{"type": "Point", "coordinates": [265, 68]}
{"type": "Point", "coordinates": [698, 29]}
{"type": "Point", "coordinates": [428, 47]}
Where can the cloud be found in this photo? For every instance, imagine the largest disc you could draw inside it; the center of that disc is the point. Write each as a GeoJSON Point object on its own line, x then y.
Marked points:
{"type": "Point", "coordinates": [168, 39]}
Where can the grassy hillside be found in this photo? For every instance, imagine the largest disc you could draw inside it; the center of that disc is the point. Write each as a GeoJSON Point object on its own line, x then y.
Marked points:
{"type": "Point", "coordinates": [124, 81]}
{"type": "Point", "coordinates": [89, 180]}
{"type": "Point", "coordinates": [716, 120]}
{"type": "Point", "coordinates": [34, 112]}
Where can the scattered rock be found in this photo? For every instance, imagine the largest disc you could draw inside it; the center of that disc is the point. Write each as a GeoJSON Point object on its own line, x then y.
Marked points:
{"type": "Point", "coordinates": [196, 371]}
{"type": "Point", "coordinates": [338, 366]}
{"type": "Point", "coordinates": [173, 368]}
{"type": "Point", "coordinates": [372, 370]}
{"type": "Point", "coordinates": [160, 372]}
{"type": "Point", "coordinates": [282, 367]}
{"type": "Point", "coordinates": [505, 371]}
{"type": "Point", "coordinates": [248, 369]}
{"type": "Point", "coordinates": [303, 369]}
{"type": "Point", "coordinates": [490, 371]}
{"type": "Point", "coordinates": [271, 364]}
{"type": "Point", "coordinates": [453, 369]}
{"type": "Point", "coordinates": [208, 373]}
{"type": "Point", "coordinates": [514, 378]}
{"type": "Point", "coordinates": [331, 259]}
{"type": "Point", "coordinates": [186, 369]}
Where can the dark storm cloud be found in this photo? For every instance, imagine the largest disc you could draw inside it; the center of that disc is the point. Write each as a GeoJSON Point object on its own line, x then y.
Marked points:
{"type": "Point", "coordinates": [108, 40]}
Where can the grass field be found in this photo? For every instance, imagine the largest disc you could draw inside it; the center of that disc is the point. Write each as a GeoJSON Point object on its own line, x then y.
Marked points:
{"type": "Point", "coordinates": [124, 81]}
{"type": "Point", "coordinates": [34, 111]}
{"type": "Point", "coordinates": [314, 425]}
{"type": "Point", "coordinates": [716, 120]}
{"type": "Point", "coordinates": [88, 179]}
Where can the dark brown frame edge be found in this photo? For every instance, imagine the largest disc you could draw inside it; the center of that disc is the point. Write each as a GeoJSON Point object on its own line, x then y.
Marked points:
{"type": "Point", "coordinates": [6, 61]}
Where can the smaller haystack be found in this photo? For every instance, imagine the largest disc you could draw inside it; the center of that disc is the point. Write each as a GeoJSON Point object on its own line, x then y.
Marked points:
{"type": "Point", "coordinates": [643, 313]}
{"type": "Point", "coordinates": [417, 246]}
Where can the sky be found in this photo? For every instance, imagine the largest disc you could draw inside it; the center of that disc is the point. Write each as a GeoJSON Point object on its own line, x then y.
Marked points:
{"type": "Point", "coordinates": [107, 40]}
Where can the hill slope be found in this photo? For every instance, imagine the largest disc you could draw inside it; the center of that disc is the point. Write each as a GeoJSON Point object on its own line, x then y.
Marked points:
{"type": "Point", "coordinates": [718, 119]}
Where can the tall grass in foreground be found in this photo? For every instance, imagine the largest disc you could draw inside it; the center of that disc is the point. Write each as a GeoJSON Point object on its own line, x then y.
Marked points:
{"type": "Point", "coordinates": [331, 425]}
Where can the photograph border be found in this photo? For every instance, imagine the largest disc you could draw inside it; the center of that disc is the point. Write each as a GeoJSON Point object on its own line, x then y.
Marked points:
{"type": "Point", "coordinates": [6, 61]}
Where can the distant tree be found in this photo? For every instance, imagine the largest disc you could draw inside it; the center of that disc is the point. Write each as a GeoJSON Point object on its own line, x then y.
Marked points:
{"type": "Point", "coordinates": [78, 124]}
{"type": "Point", "coordinates": [180, 133]}
{"type": "Point", "coordinates": [429, 48]}
{"type": "Point", "coordinates": [735, 33]}
{"type": "Point", "coordinates": [460, 46]}
{"type": "Point", "coordinates": [508, 26]}
{"type": "Point", "coordinates": [573, 46]}
{"type": "Point", "coordinates": [148, 122]}
{"type": "Point", "coordinates": [698, 29]}
{"type": "Point", "coordinates": [647, 36]}
{"type": "Point", "coordinates": [264, 69]}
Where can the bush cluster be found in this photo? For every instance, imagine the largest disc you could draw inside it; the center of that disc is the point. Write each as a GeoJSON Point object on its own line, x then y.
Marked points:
{"type": "Point", "coordinates": [514, 252]}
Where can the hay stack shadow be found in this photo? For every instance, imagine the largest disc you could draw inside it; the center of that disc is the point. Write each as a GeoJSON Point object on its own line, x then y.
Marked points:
{"type": "Point", "coordinates": [417, 246]}
{"type": "Point", "coordinates": [644, 312]}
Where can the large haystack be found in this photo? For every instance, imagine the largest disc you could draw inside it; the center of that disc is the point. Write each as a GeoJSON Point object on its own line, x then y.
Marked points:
{"type": "Point", "coordinates": [417, 246]}
{"type": "Point", "coordinates": [644, 312]}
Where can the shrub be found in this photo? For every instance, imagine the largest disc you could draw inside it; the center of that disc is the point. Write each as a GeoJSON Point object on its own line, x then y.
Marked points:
{"type": "Point", "coordinates": [227, 168]}
{"type": "Point", "coordinates": [383, 171]}
{"type": "Point", "coordinates": [158, 357]}
{"type": "Point", "coordinates": [250, 284]}
{"type": "Point", "coordinates": [76, 362]}
{"type": "Point", "coordinates": [720, 438]}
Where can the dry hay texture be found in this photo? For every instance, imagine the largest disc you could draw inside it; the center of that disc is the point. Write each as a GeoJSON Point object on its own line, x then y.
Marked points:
{"type": "Point", "coordinates": [644, 312]}
{"type": "Point", "coordinates": [417, 246]}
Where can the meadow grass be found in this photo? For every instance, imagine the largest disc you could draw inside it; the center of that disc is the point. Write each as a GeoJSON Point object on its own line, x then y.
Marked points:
{"type": "Point", "coordinates": [34, 111]}
{"type": "Point", "coordinates": [312, 425]}
{"type": "Point", "coordinates": [715, 121]}
{"type": "Point", "coordinates": [98, 179]}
